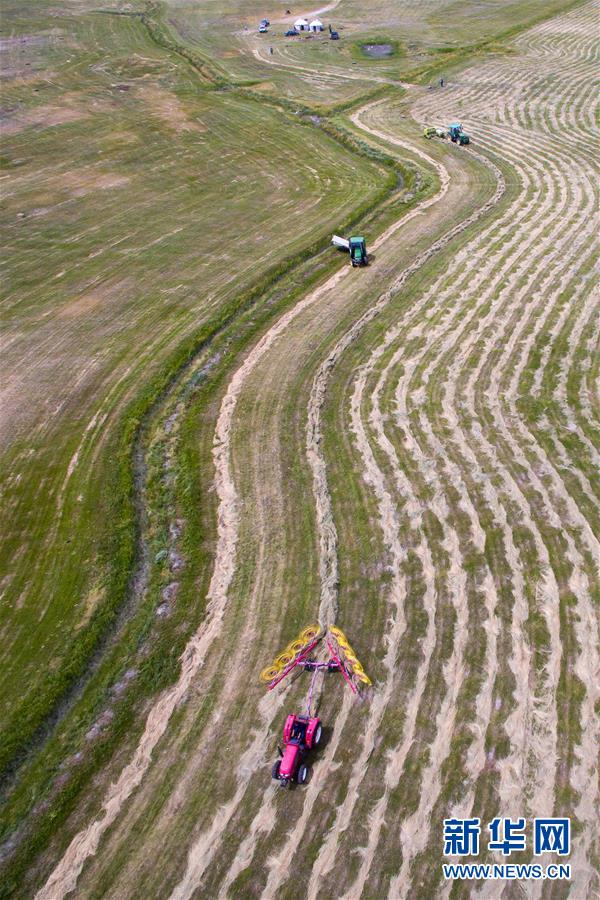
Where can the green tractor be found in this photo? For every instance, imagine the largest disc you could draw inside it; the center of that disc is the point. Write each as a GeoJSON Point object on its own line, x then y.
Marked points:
{"type": "Point", "coordinates": [358, 251]}
{"type": "Point", "coordinates": [457, 135]}
{"type": "Point", "coordinates": [356, 246]}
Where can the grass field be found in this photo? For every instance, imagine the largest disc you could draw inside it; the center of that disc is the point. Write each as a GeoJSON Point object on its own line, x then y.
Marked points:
{"type": "Point", "coordinates": [157, 216]}
{"type": "Point", "coordinates": [428, 39]}
{"type": "Point", "coordinates": [216, 431]}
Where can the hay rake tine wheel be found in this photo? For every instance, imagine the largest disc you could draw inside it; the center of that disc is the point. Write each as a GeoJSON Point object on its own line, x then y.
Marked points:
{"type": "Point", "coordinates": [308, 634]}
{"type": "Point", "coordinates": [284, 659]}
{"type": "Point", "coordinates": [300, 658]}
{"type": "Point", "coordinates": [269, 673]}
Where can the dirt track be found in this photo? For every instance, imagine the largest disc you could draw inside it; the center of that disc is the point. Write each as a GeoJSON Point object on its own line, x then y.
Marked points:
{"type": "Point", "coordinates": [455, 470]}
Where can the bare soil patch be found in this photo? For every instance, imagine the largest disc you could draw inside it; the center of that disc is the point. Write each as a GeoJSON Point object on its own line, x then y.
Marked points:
{"type": "Point", "coordinates": [41, 117]}
{"type": "Point", "coordinates": [169, 109]}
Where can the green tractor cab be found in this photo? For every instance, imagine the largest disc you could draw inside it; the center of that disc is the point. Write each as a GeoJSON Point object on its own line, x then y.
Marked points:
{"type": "Point", "coordinates": [358, 251]}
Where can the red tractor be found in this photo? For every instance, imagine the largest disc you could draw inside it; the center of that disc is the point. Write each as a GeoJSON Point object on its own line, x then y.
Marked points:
{"type": "Point", "coordinates": [300, 734]}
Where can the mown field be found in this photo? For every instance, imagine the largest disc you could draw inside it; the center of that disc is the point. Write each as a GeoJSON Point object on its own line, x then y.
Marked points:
{"type": "Point", "coordinates": [216, 431]}
{"type": "Point", "coordinates": [140, 209]}
{"type": "Point", "coordinates": [426, 40]}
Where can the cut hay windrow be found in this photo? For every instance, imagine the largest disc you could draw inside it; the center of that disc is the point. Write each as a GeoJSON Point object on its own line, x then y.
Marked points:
{"type": "Point", "coordinates": [452, 382]}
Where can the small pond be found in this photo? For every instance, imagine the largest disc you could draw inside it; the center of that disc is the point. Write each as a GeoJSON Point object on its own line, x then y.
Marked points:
{"type": "Point", "coordinates": [378, 50]}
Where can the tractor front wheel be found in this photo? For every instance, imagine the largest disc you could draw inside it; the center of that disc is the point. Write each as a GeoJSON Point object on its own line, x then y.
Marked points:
{"type": "Point", "coordinates": [275, 769]}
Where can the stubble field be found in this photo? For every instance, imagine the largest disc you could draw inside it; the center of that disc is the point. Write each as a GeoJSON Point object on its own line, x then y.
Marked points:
{"type": "Point", "coordinates": [217, 431]}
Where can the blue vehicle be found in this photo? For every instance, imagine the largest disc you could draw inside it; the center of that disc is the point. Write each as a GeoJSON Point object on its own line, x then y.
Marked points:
{"type": "Point", "coordinates": [291, 32]}
{"type": "Point", "coordinates": [457, 135]}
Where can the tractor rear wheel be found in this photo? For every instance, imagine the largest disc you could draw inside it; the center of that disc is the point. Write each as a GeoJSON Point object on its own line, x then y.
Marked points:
{"type": "Point", "coordinates": [275, 769]}
{"type": "Point", "coordinates": [302, 776]}
{"type": "Point", "coordinates": [317, 736]}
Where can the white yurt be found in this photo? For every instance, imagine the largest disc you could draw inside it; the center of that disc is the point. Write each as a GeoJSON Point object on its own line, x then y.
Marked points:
{"type": "Point", "coordinates": [316, 25]}
{"type": "Point", "coordinates": [301, 24]}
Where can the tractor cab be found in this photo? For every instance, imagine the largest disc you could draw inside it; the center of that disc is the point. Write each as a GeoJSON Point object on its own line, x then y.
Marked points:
{"type": "Point", "coordinates": [358, 251]}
